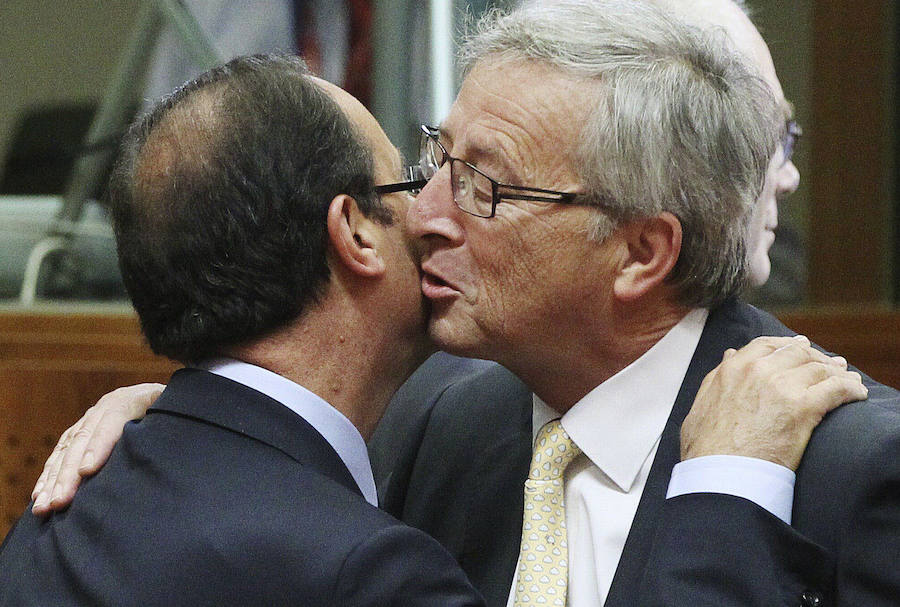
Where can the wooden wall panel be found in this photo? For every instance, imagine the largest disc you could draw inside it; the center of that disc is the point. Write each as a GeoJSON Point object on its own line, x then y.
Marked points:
{"type": "Point", "coordinates": [52, 367]}
{"type": "Point", "coordinates": [868, 338]}
{"type": "Point", "coordinates": [848, 217]}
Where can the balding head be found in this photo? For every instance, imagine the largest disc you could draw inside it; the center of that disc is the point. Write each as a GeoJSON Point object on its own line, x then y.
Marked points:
{"type": "Point", "coordinates": [782, 176]}
{"type": "Point", "coordinates": [220, 199]}
{"type": "Point", "coordinates": [734, 19]}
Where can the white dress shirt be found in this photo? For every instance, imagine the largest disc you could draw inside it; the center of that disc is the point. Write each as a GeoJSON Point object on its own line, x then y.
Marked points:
{"type": "Point", "coordinates": [334, 427]}
{"type": "Point", "coordinates": [618, 426]}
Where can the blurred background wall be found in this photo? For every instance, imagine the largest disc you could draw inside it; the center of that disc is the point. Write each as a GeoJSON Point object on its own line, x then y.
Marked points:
{"type": "Point", "coordinates": [836, 61]}
{"type": "Point", "coordinates": [54, 52]}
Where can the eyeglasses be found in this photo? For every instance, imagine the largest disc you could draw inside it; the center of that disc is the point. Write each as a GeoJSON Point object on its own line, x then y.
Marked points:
{"type": "Point", "coordinates": [414, 182]}
{"type": "Point", "coordinates": [473, 191]}
{"type": "Point", "coordinates": [792, 134]}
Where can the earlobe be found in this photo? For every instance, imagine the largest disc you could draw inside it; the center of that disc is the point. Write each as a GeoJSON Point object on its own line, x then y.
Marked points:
{"type": "Point", "coordinates": [353, 238]}
{"type": "Point", "coordinates": [652, 249]}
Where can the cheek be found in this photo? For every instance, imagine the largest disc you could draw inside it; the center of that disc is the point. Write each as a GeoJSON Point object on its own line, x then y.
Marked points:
{"type": "Point", "coordinates": [517, 275]}
{"type": "Point", "coordinates": [501, 286]}
{"type": "Point", "coordinates": [758, 223]}
{"type": "Point", "coordinates": [760, 241]}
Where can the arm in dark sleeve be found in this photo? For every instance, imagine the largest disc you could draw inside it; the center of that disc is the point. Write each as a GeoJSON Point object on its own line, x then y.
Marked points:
{"type": "Point", "coordinates": [720, 550]}
{"type": "Point", "coordinates": [403, 567]}
{"type": "Point", "coordinates": [844, 542]}
{"type": "Point", "coordinates": [868, 559]}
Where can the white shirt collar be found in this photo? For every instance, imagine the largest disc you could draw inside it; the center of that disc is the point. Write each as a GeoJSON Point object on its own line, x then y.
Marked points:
{"type": "Point", "coordinates": [618, 423]}
{"type": "Point", "coordinates": [334, 427]}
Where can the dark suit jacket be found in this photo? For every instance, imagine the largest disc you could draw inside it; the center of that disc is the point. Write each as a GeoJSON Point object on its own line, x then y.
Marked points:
{"type": "Point", "coordinates": [393, 456]}
{"type": "Point", "coordinates": [222, 496]}
{"type": "Point", "coordinates": [465, 489]}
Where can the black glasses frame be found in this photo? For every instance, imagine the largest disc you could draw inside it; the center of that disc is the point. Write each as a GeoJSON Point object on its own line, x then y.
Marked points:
{"type": "Point", "coordinates": [415, 182]}
{"type": "Point", "coordinates": [541, 194]}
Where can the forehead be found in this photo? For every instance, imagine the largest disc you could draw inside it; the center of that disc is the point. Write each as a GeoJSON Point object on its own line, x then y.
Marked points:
{"type": "Point", "coordinates": [516, 114]}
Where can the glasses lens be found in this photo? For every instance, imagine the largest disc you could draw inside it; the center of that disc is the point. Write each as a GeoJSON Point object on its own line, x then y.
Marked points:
{"type": "Point", "coordinates": [472, 191]}
{"type": "Point", "coordinates": [788, 147]}
{"type": "Point", "coordinates": [791, 136]}
{"type": "Point", "coordinates": [431, 156]}
{"type": "Point", "coordinates": [413, 173]}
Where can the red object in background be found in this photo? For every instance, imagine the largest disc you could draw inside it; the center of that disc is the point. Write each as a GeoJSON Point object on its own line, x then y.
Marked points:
{"type": "Point", "coordinates": [358, 77]}
{"type": "Point", "coordinates": [358, 71]}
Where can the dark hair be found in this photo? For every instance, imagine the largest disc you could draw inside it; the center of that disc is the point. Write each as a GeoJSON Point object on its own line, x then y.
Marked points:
{"type": "Point", "coordinates": [219, 203]}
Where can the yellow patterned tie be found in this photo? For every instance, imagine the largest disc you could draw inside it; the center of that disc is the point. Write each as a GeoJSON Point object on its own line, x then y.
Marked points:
{"type": "Point", "coordinates": [543, 557]}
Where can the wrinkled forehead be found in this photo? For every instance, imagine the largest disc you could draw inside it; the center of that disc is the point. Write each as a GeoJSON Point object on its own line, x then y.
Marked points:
{"type": "Point", "coordinates": [517, 113]}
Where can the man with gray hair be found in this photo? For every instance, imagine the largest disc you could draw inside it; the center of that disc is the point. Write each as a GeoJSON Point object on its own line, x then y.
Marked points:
{"type": "Point", "coordinates": [733, 18]}
{"type": "Point", "coordinates": [586, 224]}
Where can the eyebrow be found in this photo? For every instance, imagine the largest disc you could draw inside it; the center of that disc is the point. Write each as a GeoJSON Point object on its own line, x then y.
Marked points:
{"type": "Point", "coordinates": [788, 109]}
{"type": "Point", "coordinates": [485, 153]}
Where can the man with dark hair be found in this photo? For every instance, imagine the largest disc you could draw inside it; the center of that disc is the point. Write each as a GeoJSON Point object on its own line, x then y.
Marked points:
{"type": "Point", "coordinates": [255, 247]}
{"type": "Point", "coordinates": [264, 185]}
{"type": "Point", "coordinates": [586, 225]}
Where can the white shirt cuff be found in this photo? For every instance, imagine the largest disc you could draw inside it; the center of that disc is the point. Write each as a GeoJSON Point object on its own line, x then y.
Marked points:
{"type": "Point", "coordinates": [766, 484]}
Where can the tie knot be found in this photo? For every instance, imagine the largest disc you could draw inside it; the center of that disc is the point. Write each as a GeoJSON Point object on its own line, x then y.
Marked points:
{"type": "Point", "coordinates": [553, 451]}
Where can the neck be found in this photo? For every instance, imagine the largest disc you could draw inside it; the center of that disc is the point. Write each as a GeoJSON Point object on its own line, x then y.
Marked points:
{"type": "Point", "coordinates": [563, 374]}
{"type": "Point", "coordinates": [354, 363]}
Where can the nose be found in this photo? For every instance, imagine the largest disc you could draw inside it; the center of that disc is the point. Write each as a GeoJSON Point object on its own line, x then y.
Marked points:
{"type": "Point", "coordinates": [433, 215]}
{"type": "Point", "coordinates": [787, 180]}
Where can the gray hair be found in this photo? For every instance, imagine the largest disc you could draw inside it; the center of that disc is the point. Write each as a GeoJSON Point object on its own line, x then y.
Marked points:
{"type": "Point", "coordinates": [744, 7]}
{"type": "Point", "coordinates": [679, 123]}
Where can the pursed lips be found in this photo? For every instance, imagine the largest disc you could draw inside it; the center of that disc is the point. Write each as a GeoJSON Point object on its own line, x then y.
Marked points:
{"type": "Point", "coordinates": [434, 286]}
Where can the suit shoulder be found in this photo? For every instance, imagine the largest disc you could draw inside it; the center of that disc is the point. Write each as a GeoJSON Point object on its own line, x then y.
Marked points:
{"type": "Point", "coordinates": [485, 411]}
{"type": "Point", "coordinates": [846, 497]}
{"type": "Point", "coordinates": [493, 393]}
{"type": "Point", "coordinates": [400, 565]}
{"type": "Point", "coordinates": [861, 428]}
{"type": "Point", "coordinates": [852, 452]}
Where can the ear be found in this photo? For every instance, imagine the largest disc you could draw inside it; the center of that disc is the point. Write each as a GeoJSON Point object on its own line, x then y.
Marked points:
{"type": "Point", "coordinates": [353, 236]}
{"type": "Point", "coordinates": [652, 246]}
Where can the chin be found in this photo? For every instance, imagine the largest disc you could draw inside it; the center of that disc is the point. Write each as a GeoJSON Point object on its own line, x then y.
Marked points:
{"type": "Point", "coordinates": [759, 272]}
{"type": "Point", "coordinates": [449, 338]}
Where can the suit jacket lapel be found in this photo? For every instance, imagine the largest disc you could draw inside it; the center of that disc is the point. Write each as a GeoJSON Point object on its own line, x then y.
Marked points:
{"type": "Point", "coordinates": [489, 533]}
{"type": "Point", "coordinates": [725, 328]}
{"type": "Point", "coordinates": [493, 533]}
{"type": "Point", "coordinates": [213, 399]}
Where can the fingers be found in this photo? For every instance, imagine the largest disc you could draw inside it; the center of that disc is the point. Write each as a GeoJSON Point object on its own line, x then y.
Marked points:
{"type": "Point", "coordinates": [48, 474]}
{"type": "Point", "coordinates": [86, 446]}
{"type": "Point", "coordinates": [120, 407]}
{"type": "Point", "coordinates": [800, 351]}
{"type": "Point", "coordinates": [69, 449]}
{"type": "Point", "coordinates": [838, 389]}
{"type": "Point", "coordinates": [775, 356]}
{"type": "Point", "coordinates": [805, 375]}
{"type": "Point", "coordinates": [67, 477]}
{"type": "Point", "coordinates": [762, 346]}
{"type": "Point", "coordinates": [818, 387]}
{"type": "Point", "coordinates": [764, 356]}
